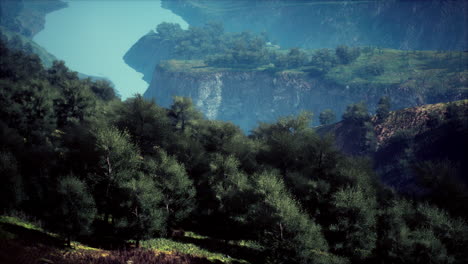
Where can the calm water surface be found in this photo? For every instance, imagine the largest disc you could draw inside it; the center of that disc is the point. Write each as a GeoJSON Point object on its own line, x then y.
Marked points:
{"type": "Point", "coordinates": [92, 37]}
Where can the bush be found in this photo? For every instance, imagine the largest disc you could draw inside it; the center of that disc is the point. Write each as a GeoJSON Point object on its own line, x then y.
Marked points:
{"type": "Point", "coordinates": [327, 117]}
{"type": "Point", "coordinates": [346, 55]}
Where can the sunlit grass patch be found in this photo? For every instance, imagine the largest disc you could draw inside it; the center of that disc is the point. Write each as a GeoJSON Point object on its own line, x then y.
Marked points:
{"type": "Point", "coordinates": [16, 221]}
{"type": "Point", "coordinates": [170, 246]}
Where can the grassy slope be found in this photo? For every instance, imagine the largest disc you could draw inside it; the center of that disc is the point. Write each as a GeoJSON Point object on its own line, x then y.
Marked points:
{"type": "Point", "coordinates": [410, 69]}
{"type": "Point", "coordinates": [24, 242]}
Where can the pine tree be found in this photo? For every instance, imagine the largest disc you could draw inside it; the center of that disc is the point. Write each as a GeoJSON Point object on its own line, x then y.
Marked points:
{"type": "Point", "coordinates": [383, 108]}
{"type": "Point", "coordinates": [119, 161]}
{"type": "Point", "coordinates": [76, 210]}
{"type": "Point", "coordinates": [177, 189]}
{"type": "Point", "coordinates": [327, 117]}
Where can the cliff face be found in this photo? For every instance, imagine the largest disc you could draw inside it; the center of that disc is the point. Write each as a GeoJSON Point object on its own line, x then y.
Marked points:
{"type": "Point", "coordinates": [399, 24]}
{"type": "Point", "coordinates": [246, 97]}
{"type": "Point", "coordinates": [410, 136]}
{"type": "Point", "coordinates": [145, 54]}
{"type": "Point", "coordinates": [27, 17]}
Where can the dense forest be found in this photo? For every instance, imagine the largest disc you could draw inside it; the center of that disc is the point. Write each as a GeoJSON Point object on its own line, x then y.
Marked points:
{"type": "Point", "coordinates": [106, 172]}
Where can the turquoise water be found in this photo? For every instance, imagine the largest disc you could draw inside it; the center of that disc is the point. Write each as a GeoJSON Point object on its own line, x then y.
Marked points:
{"type": "Point", "coordinates": [92, 37]}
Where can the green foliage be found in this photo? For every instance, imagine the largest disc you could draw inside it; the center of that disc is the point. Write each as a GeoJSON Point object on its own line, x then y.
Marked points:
{"type": "Point", "coordinates": [11, 189]}
{"type": "Point", "coordinates": [288, 234]}
{"type": "Point", "coordinates": [346, 55]}
{"type": "Point", "coordinates": [169, 30]}
{"type": "Point", "coordinates": [145, 121]}
{"type": "Point", "coordinates": [232, 190]}
{"type": "Point", "coordinates": [324, 60]}
{"type": "Point", "coordinates": [356, 113]}
{"type": "Point", "coordinates": [281, 141]}
{"type": "Point", "coordinates": [118, 163]}
{"type": "Point", "coordinates": [178, 192]}
{"type": "Point", "coordinates": [411, 234]}
{"type": "Point", "coordinates": [140, 215]}
{"type": "Point", "coordinates": [327, 117]}
{"type": "Point", "coordinates": [295, 58]}
{"type": "Point", "coordinates": [75, 104]}
{"type": "Point", "coordinates": [354, 231]}
{"type": "Point", "coordinates": [28, 109]}
{"type": "Point", "coordinates": [183, 113]}
{"type": "Point", "coordinates": [103, 90]}
{"type": "Point", "coordinates": [358, 121]}
{"type": "Point", "coordinates": [17, 42]}
{"type": "Point", "coordinates": [170, 246]}
{"type": "Point", "coordinates": [383, 108]}
{"type": "Point", "coordinates": [371, 70]}
{"type": "Point", "coordinates": [243, 51]}
{"type": "Point", "coordinates": [443, 184]}
{"type": "Point", "coordinates": [141, 170]}
{"type": "Point", "coordinates": [76, 209]}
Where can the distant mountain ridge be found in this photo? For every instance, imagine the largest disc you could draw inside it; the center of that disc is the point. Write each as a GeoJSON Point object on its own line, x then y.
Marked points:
{"type": "Point", "coordinates": [397, 24]}
{"type": "Point", "coordinates": [27, 17]}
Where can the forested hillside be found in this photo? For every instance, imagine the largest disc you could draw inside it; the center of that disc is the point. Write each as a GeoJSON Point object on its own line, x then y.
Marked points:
{"type": "Point", "coordinates": [109, 173]}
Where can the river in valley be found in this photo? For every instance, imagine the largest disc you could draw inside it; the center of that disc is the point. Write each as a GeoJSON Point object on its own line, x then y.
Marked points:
{"type": "Point", "coordinates": [92, 37]}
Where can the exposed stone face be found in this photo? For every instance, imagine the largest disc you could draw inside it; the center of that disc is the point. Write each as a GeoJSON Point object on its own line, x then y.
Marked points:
{"type": "Point", "coordinates": [247, 97]}
{"type": "Point", "coordinates": [146, 53]}
{"type": "Point", "coordinates": [27, 17]}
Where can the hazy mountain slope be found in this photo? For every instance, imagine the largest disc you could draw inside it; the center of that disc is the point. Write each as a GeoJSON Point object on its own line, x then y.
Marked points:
{"type": "Point", "coordinates": [27, 17]}
{"type": "Point", "coordinates": [18, 42]}
{"type": "Point", "coordinates": [399, 24]}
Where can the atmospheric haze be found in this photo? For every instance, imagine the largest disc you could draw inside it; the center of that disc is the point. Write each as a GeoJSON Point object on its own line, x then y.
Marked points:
{"type": "Point", "coordinates": [92, 37]}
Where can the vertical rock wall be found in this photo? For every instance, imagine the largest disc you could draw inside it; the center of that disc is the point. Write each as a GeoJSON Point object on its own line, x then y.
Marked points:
{"type": "Point", "coordinates": [246, 97]}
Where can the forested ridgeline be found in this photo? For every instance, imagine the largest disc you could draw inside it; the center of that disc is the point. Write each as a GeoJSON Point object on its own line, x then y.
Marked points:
{"type": "Point", "coordinates": [94, 168]}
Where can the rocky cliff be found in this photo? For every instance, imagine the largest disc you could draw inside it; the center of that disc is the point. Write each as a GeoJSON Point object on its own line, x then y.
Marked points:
{"type": "Point", "coordinates": [27, 17]}
{"type": "Point", "coordinates": [146, 53]}
{"type": "Point", "coordinates": [411, 136]}
{"type": "Point", "coordinates": [248, 96]}
{"type": "Point", "coordinates": [399, 24]}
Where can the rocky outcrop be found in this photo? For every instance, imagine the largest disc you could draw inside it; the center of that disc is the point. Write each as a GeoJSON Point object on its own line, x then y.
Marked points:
{"type": "Point", "coordinates": [399, 24]}
{"type": "Point", "coordinates": [27, 17]}
{"type": "Point", "coordinates": [411, 136]}
{"type": "Point", "coordinates": [246, 97]}
{"type": "Point", "coordinates": [147, 52]}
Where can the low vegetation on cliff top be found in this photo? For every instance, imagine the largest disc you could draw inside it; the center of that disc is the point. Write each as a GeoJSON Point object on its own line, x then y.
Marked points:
{"type": "Point", "coordinates": [210, 49]}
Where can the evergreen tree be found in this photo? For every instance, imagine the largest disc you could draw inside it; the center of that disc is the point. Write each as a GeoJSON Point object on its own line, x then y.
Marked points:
{"type": "Point", "coordinates": [177, 189]}
{"type": "Point", "coordinates": [141, 214]}
{"type": "Point", "coordinates": [119, 161]}
{"type": "Point", "coordinates": [76, 210]}
{"type": "Point", "coordinates": [11, 189]}
{"type": "Point", "coordinates": [383, 108]}
{"type": "Point", "coordinates": [357, 121]}
{"type": "Point", "coordinates": [354, 233]}
{"type": "Point", "coordinates": [75, 103]}
{"type": "Point", "coordinates": [183, 113]}
{"type": "Point", "coordinates": [145, 121]}
{"type": "Point", "coordinates": [327, 117]}
{"type": "Point", "coordinates": [287, 233]}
